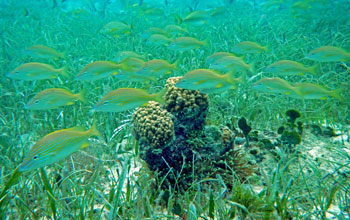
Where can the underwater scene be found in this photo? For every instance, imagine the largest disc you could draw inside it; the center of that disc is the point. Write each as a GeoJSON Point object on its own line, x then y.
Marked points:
{"type": "Point", "coordinates": [175, 109]}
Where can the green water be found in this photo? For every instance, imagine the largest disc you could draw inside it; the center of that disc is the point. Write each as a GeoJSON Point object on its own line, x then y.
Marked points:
{"type": "Point", "coordinates": [109, 179]}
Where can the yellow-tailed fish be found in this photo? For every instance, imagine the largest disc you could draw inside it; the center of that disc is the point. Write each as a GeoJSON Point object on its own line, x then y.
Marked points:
{"type": "Point", "coordinates": [328, 54]}
{"type": "Point", "coordinates": [173, 29]}
{"type": "Point", "coordinates": [130, 65]}
{"type": "Point", "coordinates": [274, 85]}
{"type": "Point", "coordinates": [153, 30]}
{"type": "Point", "coordinates": [98, 70]}
{"type": "Point", "coordinates": [153, 12]}
{"type": "Point", "coordinates": [116, 28]}
{"type": "Point", "coordinates": [195, 18]}
{"type": "Point", "coordinates": [219, 11]}
{"type": "Point", "coordinates": [121, 55]}
{"type": "Point", "coordinates": [36, 71]}
{"type": "Point", "coordinates": [159, 40]}
{"type": "Point", "coordinates": [288, 68]}
{"type": "Point", "coordinates": [246, 47]}
{"type": "Point", "coordinates": [53, 98]}
{"type": "Point", "coordinates": [43, 52]}
{"type": "Point", "coordinates": [231, 63]}
{"type": "Point", "coordinates": [56, 146]}
{"type": "Point", "coordinates": [157, 67]}
{"type": "Point", "coordinates": [124, 99]}
{"type": "Point", "coordinates": [209, 81]}
{"type": "Point", "coordinates": [314, 91]}
{"type": "Point", "coordinates": [217, 56]}
{"type": "Point", "coordinates": [187, 43]}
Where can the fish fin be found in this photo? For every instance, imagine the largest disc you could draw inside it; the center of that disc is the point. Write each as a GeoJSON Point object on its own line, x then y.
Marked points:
{"type": "Point", "coordinates": [175, 65]}
{"type": "Point", "coordinates": [314, 69]}
{"type": "Point", "coordinates": [82, 96]}
{"type": "Point", "coordinates": [63, 71]}
{"type": "Point", "coordinates": [287, 93]}
{"type": "Point", "coordinates": [219, 85]}
{"type": "Point", "coordinates": [266, 48]}
{"type": "Point", "coordinates": [337, 94]}
{"type": "Point", "coordinates": [85, 144]}
{"type": "Point", "coordinates": [70, 103]}
{"type": "Point", "coordinates": [93, 130]}
{"type": "Point", "coordinates": [205, 43]}
{"type": "Point", "coordinates": [178, 19]}
{"type": "Point", "coordinates": [159, 96]}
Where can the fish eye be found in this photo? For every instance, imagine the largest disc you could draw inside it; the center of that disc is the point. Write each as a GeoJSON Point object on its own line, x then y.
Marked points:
{"type": "Point", "coordinates": [36, 102]}
{"type": "Point", "coordinates": [105, 102]}
{"type": "Point", "coordinates": [35, 157]}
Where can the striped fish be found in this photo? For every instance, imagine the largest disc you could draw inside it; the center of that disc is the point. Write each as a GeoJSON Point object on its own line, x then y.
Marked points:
{"type": "Point", "coordinates": [56, 146]}
{"type": "Point", "coordinates": [36, 71]}
{"type": "Point", "coordinates": [124, 99]}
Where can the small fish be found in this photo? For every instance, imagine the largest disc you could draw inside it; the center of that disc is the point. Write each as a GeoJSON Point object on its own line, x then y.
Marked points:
{"type": "Point", "coordinates": [53, 98]}
{"type": "Point", "coordinates": [217, 56]}
{"type": "Point", "coordinates": [314, 91]}
{"type": "Point", "coordinates": [246, 47]}
{"type": "Point", "coordinates": [98, 70]}
{"type": "Point", "coordinates": [173, 29]}
{"type": "Point", "coordinates": [328, 54]}
{"type": "Point", "coordinates": [209, 81]}
{"type": "Point", "coordinates": [159, 40]}
{"type": "Point", "coordinates": [289, 68]}
{"type": "Point", "coordinates": [43, 52]}
{"type": "Point", "coordinates": [116, 28]}
{"type": "Point", "coordinates": [274, 85]}
{"type": "Point", "coordinates": [153, 12]}
{"type": "Point", "coordinates": [36, 71]}
{"type": "Point", "coordinates": [187, 43]}
{"type": "Point", "coordinates": [121, 55]}
{"type": "Point", "coordinates": [124, 99]}
{"type": "Point", "coordinates": [231, 63]}
{"type": "Point", "coordinates": [157, 67]}
{"type": "Point", "coordinates": [153, 30]}
{"type": "Point", "coordinates": [128, 69]}
{"type": "Point", "coordinates": [196, 18]}
{"type": "Point", "coordinates": [219, 11]}
{"type": "Point", "coordinates": [56, 146]}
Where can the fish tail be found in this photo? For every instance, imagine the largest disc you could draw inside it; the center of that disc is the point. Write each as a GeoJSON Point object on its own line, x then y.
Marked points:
{"type": "Point", "coordinates": [62, 55]}
{"type": "Point", "coordinates": [314, 69]}
{"type": "Point", "coordinates": [82, 96]}
{"type": "Point", "coordinates": [205, 43]}
{"type": "Point", "coordinates": [159, 96]}
{"type": "Point", "coordinates": [93, 130]}
{"type": "Point", "coordinates": [337, 94]}
{"type": "Point", "coordinates": [178, 19]}
{"type": "Point", "coordinates": [63, 71]}
{"type": "Point", "coordinates": [251, 67]}
{"type": "Point", "coordinates": [266, 49]}
{"type": "Point", "coordinates": [175, 65]}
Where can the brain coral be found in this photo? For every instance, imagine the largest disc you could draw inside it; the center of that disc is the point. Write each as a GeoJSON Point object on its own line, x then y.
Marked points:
{"type": "Point", "coordinates": [153, 125]}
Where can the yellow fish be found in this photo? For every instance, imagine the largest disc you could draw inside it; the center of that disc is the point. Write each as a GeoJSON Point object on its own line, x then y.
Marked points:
{"type": "Point", "coordinates": [246, 47]}
{"type": "Point", "coordinates": [56, 146]}
{"type": "Point", "coordinates": [173, 29]}
{"type": "Point", "coordinates": [159, 40]}
{"type": "Point", "coordinates": [314, 91]}
{"type": "Point", "coordinates": [217, 56]}
{"type": "Point", "coordinates": [187, 43]}
{"type": "Point", "coordinates": [288, 68]}
{"type": "Point", "coordinates": [153, 30]}
{"type": "Point", "coordinates": [121, 55]}
{"type": "Point", "coordinates": [128, 69]}
{"type": "Point", "coordinates": [219, 11]}
{"type": "Point", "coordinates": [157, 67]}
{"type": "Point", "coordinates": [328, 54]}
{"type": "Point", "coordinates": [231, 63]}
{"type": "Point", "coordinates": [209, 81]}
{"type": "Point", "coordinates": [43, 52]}
{"type": "Point", "coordinates": [195, 18]}
{"type": "Point", "coordinates": [116, 28]}
{"type": "Point", "coordinates": [124, 99]}
{"type": "Point", "coordinates": [53, 98]}
{"type": "Point", "coordinates": [275, 85]}
{"type": "Point", "coordinates": [98, 70]}
{"type": "Point", "coordinates": [36, 71]}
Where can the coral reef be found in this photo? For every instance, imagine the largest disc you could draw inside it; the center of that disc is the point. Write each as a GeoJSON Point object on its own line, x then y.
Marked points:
{"type": "Point", "coordinates": [153, 125]}
{"type": "Point", "coordinates": [186, 105]}
{"type": "Point", "coordinates": [177, 145]}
